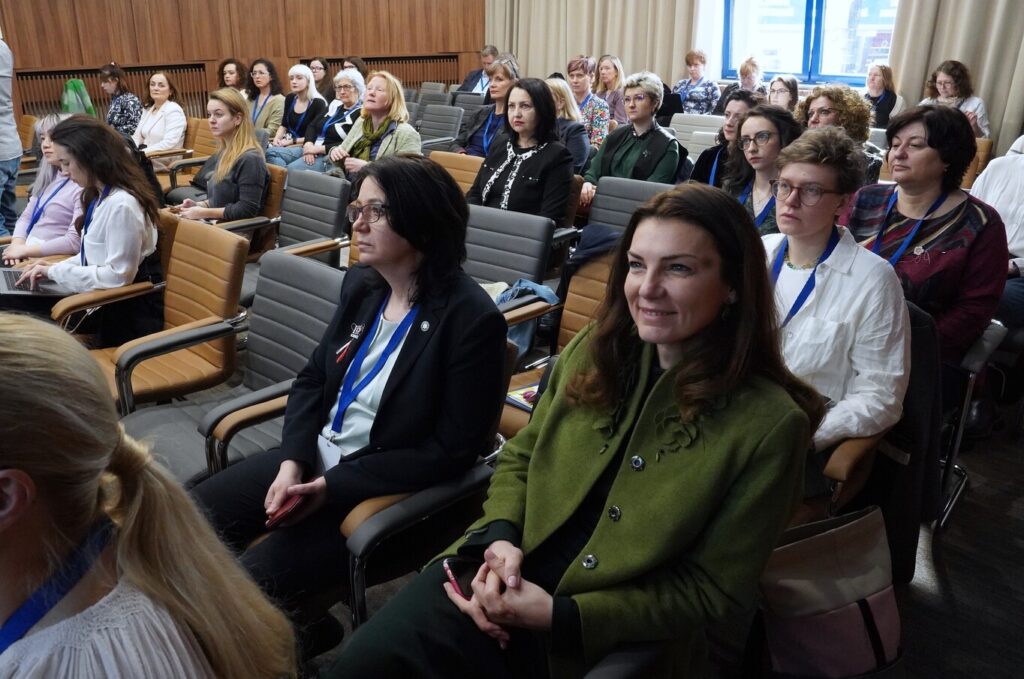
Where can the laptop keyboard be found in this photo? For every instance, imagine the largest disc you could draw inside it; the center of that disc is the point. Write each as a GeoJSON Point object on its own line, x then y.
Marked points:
{"type": "Point", "coordinates": [12, 279]}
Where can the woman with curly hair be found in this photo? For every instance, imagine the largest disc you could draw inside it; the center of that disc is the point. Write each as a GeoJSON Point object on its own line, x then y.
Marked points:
{"type": "Point", "coordinates": [840, 106]}
{"type": "Point", "coordinates": [950, 85]}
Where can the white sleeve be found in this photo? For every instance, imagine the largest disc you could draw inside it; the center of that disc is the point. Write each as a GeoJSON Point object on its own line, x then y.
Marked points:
{"type": "Point", "coordinates": [173, 124]}
{"type": "Point", "coordinates": [113, 248]}
{"type": "Point", "coordinates": [982, 113]}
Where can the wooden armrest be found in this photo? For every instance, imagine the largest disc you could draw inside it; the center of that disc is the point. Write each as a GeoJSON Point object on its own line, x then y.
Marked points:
{"type": "Point", "coordinates": [316, 247]}
{"type": "Point", "coordinates": [5, 240]}
{"type": "Point", "coordinates": [87, 300]}
{"type": "Point", "coordinates": [246, 417]}
{"type": "Point", "coordinates": [849, 455]}
{"type": "Point", "coordinates": [167, 152]}
{"type": "Point", "coordinates": [367, 508]}
{"type": "Point", "coordinates": [529, 312]}
{"type": "Point", "coordinates": [170, 332]}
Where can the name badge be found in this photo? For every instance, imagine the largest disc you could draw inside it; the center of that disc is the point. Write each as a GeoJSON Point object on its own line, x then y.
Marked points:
{"type": "Point", "coordinates": [330, 454]}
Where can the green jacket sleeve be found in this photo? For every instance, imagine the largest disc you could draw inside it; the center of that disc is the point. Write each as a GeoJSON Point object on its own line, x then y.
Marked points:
{"type": "Point", "coordinates": [594, 170]}
{"type": "Point", "coordinates": [666, 169]}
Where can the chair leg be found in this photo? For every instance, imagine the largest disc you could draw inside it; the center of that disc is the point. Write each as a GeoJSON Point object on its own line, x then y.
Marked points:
{"type": "Point", "coordinates": [357, 590]}
{"type": "Point", "coordinates": [954, 496]}
{"type": "Point", "coordinates": [950, 466]}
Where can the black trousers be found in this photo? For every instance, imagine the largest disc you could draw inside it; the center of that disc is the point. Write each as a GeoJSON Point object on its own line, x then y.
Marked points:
{"type": "Point", "coordinates": [295, 565]}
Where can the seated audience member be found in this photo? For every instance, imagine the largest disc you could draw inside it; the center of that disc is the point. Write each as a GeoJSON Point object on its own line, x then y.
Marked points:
{"type": "Point", "coordinates": [532, 171]}
{"type": "Point", "coordinates": [713, 163]}
{"type": "Point", "coordinates": [1001, 185]}
{"type": "Point", "coordinates": [750, 80]}
{"type": "Point", "coordinates": [125, 109]}
{"type": "Point", "coordinates": [593, 109]}
{"type": "Point", "coordinates": [840, 106]}
{"type": "Point", "coordinates": [609, 86]}
{"type": "Point", "coordinates": [302, 106]}
{"type": "Point", "coordinates": [480, 129]}
{"type": "Point", "coordinates": [850, 339]}
{"type": "Point", "coordinates": [643, 149]}
{"type": "Point", "coordinates": [950, 85]}
{"type": "Point", "coordinates": [356, 63]}
{"type": "Point", "coordinates": [477, 79]}
{"type": "Point", "coordinates": [117, 229]}
{"type": "Point", "coordinates": [263, 94]}
{"type": "Point", "coordinates": [948, 248]}
{"type": "Point", "coordinates": [784, 91]}
{"type": "Point", "coordinates": [383, 129]}
{"type": "Point", "coordinates": [761, 133]}
{"type": "Point", "coordinates": [881, 95]}
{"type": "Point", "coordinates": [320, 69]}
{"type": "Point", "coordinates": [108, 569]}
{"type": "Point", "coordinates": [427, 351]}
{"type": "Point", "coordinates": [567, 561]}
{"type": "Point", "coordinates": [238, 179]}
{"type": "Point", "coordinates": [47, 225]}
{"type": "Point", "coordinates": [570, 126]}
{"type": "Point", "coordinates": [697, 94]}
{"type": "Point", "coordinates": [162, 125]}
{"type": "Point", "coordinates": [231, 73]}
{"type": "Point", "coordinates": [326, 133]}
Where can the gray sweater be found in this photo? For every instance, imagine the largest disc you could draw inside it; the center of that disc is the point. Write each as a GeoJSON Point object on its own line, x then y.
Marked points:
{"type": "Point", "coordinates": [243, 191]}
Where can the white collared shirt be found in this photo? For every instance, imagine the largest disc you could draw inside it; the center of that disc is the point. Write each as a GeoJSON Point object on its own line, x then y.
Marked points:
{"type": "Point", "coordinates": [482, 83]}
{"type": "Point", "coordinates": [1001, 185]}
{"type": "Point", "coordinates": [850, 340]}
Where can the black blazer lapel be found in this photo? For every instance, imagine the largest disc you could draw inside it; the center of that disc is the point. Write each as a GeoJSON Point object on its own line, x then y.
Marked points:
{"type": "Point", "coordinates": [356, 328]}
{"type": "Point", "coordinates": [423, 328]}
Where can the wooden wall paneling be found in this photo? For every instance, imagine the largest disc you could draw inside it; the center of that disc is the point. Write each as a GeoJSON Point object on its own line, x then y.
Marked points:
{"type": "Point", "coordinates": [329, 34]}
{"type": "Point", "coordinates": [106, 31]}
{"type": "Point", "coordinates": [418, 26]}
{"type": "Point", "coordinates": [465, 26]}
{"type": "Point", "coordinates": [368, 28]}
{"type": "Point", "coordinates": [207, 30]}
{"type": "Point", "coordinates": [259, 28]}
{"type": "Point", "coordinates": [41, 33]}
{"type": "Point", "coordinates": [158, 31]}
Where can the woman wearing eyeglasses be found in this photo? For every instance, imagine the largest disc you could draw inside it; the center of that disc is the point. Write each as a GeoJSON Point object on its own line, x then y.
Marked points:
{"type": "Point", "coordinates": [840, 106]}
{"type": "Point", "coordinates": [845, 327]}
{"type": "Point", "coordinates": [762, 132]}
{"type": "Point", "coordinates": [263, 93]}
{"type": "Point", "coordinates": [324, 84]}
{"type": "Point", "coordinates": [950, 85]}
{"type": "Point", "coordinates": [643, 149]}
{"type": "Point", "coordinates": [712, 165]}
{"type": "Point", "coordinates": [783, 91]}
{"type": "Point", "coordinates": [402, 393]}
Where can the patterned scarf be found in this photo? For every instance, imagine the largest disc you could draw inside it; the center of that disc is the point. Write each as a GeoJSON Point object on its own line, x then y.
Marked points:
{"type": "Point", "coordinates": [361, 148]}
{"type": "Point", "coordinates": [516, 160]}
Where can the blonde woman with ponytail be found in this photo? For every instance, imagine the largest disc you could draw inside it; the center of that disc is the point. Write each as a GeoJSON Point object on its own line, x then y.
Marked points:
{"type": "Point", "coordinates": [107, 569]}
{"type": "Point", "coordinates": [237, 188]}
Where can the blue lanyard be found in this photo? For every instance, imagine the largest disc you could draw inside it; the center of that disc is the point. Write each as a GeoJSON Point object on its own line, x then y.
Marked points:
{"type": "Point", "coordinates": [298, 125]}
{"type": "Point", "coordinates": [877, 245]}
{"type": "Point", "coordinates": [88, 219]}
{"type": "Point", "coordinates": [798, 303]}
{"type": "Point", "coordinates": [257, 111]}
{"type": "Point", "coordinates": [57, 586]}
{"type": "Point", "coordinates": [349, 389]}
{"type": "Point", "coordinates": [38, 212]}
{"type": "Point", "coordinates": [586, 99]}
{"type": "Point", "coordinates": [687, 88]}
{"type": "Point", "coordinates": [878, 103]}
{"type": "Point", "coordinates": [714, 166]}
{"type": "Point", "coordinates": [489, 134]}
{"type": "Point", "coordinates": [759, 219]}
{"type": "Point", "coordinates": [333, 119]}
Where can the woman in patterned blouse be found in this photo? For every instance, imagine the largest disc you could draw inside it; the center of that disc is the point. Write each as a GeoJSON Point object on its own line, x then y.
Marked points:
{"type": "Point", "coordinates": [594, 110]}
{"type": "Point", "coordinates": [698, 94]}
{"type": "Point", "coordinates": [125, 108]}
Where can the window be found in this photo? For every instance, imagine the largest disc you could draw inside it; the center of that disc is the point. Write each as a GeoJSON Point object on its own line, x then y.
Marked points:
{"type": "Point", "coordinates": [815, 40]}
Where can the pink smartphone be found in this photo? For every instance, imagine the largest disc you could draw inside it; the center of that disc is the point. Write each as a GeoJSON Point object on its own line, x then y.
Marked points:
{"type": "Point", "coordinates": [289, 506]}
{"type": "Point", "coordinates": [460, 571]}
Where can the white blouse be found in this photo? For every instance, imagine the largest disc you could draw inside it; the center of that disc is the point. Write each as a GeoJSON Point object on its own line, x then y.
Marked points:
{"type": "Point", "coordinates": [162, 130]}
{"type": "Point", "coordinates": [850, 340]}
{"type": "Point", "coordinates": [117, 241]}
{"type": "Point", "coordinates": [123, 635]}
{"type": "Point", "coordinates": [972, 104]}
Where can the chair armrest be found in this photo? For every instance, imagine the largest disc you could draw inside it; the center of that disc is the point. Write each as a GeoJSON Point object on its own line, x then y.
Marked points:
{"type": "Point", "coordinates": [565, 234]}
{"type": "Point", "coordinates": [94, 298]}
{"type": "Point", "coordinates": [367, 508]}
{"type": "Point", "coordinates": [218, 441]}
{"type": "Point", "coordinates": [168, 152]}
{"type": "Point", "coordinates": [849, 454]}
{"type": "Point", "coordinates": [415, 508]}
{"type": "Point", "coordinates": [6, 240]}
{"type": "Point", "coordinates": [246, 225]}
{"type": "Point", "coordinates": [437, 142]}
{"type": "Point", "coordinates": [529, 312]}
{"type": "Point", "coordinates": [633, 661]}
{"type": "Point", "coordinates": [182, 164]}
{"type": "Point", "coordinates": [213, 417]}
{"type": "Point", "coordinates": [316, 247]}
{"type": "Point", "coordinates": [979, 353]}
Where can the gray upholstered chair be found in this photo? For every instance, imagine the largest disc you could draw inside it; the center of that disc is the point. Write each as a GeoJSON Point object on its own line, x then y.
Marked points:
{"type": "Point", "coordinates": [439, 125]}
{"type": "Point", "coordinates": [430, 86]}
{"type": "Point", "coordinates": [414, 112]}
{"type": "Point", "coordinates": [616, 199]}
{"type": "Point", "coordinates": [463, 99]}
{"type": "Point", "coordinates": [428, 98]}
{"type": "Point", "coordinates": [505, 246]}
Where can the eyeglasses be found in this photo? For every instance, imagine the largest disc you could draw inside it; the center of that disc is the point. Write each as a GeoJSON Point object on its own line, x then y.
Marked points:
{"type": "Point", "coordinates": [760, 139]}
{"type": "Point", "coordinates": [817, 112]}
{"type": "Point", "coordinates": [808, 195]}
{"type": "Point", "coordinates": [343, 88]}
{"type": "Point", "coordinates": [371, 213]}
{"type": "Point", "coordinates": [256, 74]}
{"type": "Point", "coordinates": [779, 90]}
{"type": "Point", "coordinates": [638, 98]}
{"type": "Point", "coordinates": [317, 68]}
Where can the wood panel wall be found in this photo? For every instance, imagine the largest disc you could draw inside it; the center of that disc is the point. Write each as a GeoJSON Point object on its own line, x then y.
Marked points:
{"type": "Point", "coordinates": [436, 38]}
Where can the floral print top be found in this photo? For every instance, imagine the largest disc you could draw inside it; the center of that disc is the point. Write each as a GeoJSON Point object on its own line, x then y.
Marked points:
{"type": "Point", "coordinates": [595, 114]}
{"type": "Point", "coordinates": [124, 113]}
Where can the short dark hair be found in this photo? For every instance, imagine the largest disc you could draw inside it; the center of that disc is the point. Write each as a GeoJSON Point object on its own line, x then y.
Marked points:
{"type": "Point", "coordinates": [956, 70]}
{"type": "Point", "coordinates": [359, 64]}
{"type": "Point", "coordinates": [948, 132]}
{"type": "Point", "coordinates": [243, 70]}
{"type": "Point", "coordinates": [435, 227]}
{"type": "Point", "coordinates": [740, 171]}
{"type": "Point", "coordinates": [250, 86]}
{"type": "Point", "coordinates": [543, 106]}
{"type": "Point", "coordinates": [112, 71]}
{"type": "Point", "coordinates": [583, 63]}
{"type": "Point", "coordinates": [829, 147]}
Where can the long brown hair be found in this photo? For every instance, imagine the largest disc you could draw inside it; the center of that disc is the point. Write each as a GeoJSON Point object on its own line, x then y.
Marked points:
{"type": "Point", "coordinates": [103, 153]}
{"type": "Point", "coordinates": [173, 96]}
{"type": "Point", "coordinates": [742, 342]}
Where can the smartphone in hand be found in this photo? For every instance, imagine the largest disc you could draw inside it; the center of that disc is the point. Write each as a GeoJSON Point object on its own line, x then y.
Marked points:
{"type": "Point", "coordinates": [460, 571]}
{"type": "Point", "coordinates": [285, 510]}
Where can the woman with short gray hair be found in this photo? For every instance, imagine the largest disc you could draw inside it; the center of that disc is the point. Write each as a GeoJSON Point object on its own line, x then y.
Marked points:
{"type": "Point", "coordinates": [329, 130]}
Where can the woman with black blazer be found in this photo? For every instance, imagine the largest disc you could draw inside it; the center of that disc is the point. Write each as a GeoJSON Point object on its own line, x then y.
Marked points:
{"type": "Point", "coordinates": [480, 129]}
{"type": "Point", "coordinates": [528, 170]}
{"type": "Point", "coordinates": [401, 393]}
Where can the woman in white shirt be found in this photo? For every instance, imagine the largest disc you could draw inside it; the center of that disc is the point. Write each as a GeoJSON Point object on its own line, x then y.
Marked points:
{"type": "Point", "coordinates": [844, 322]}
{"type": "Point", "coordinates": [117, 228]}
{"type": "Point", "coordinates": [107, 569]}
{"type": "Point", "coordinates": [162, 126]}
{"type": "Point", "coordinates": [950, 85]}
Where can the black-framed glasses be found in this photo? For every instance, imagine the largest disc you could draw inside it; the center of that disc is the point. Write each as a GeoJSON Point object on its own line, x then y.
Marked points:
{"type": "Point", "coordinates": [760, 139]}
{"type": "Point", "coordinates": [344, 88]}
{"type": "Point", "coordinates": [809, 195]}
{"type": "Point", "coordinates": [371, 212]}
{"type": "Point", "coordinates": [317, 68]}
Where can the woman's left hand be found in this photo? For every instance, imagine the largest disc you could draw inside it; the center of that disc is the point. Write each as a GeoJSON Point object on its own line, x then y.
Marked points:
{"type": "Point", "coordinates": [33, 273]}
{"type": "Point", "coordinates": [193, 212]}
{"type": "Point", "coordinates": [527, 606]}
{"type": "Point", "coordinates": [316, 497]}
{"type": "Point", "coordinates": [473, 609]}
{"type": "Point", "coordinates": [353, 165]}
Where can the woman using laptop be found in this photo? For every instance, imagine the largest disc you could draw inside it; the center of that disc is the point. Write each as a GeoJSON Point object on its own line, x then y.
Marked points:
{"type": "Point", "coordinates": [116, 227]}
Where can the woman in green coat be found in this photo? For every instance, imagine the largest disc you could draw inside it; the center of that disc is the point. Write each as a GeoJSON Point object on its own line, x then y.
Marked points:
{"type": "Point", "coordinates": [645, 496]}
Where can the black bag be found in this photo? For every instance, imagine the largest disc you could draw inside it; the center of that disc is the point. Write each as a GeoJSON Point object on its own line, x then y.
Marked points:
{"type": "Point", "coordinates": [147, 168]}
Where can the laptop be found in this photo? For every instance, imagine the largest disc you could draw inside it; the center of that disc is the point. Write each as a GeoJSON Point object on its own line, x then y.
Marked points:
{"type": "Point", "coordinates": [44, 288]}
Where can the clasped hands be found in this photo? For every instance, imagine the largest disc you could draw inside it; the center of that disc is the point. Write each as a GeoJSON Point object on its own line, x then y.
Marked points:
{"type": "Point", "coordinates": [502, 598]}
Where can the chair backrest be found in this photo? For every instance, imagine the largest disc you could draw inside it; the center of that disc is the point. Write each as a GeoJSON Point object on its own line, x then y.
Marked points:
{"type": "Point", "coordinates": [204, 278]}
{"type": "Point", "coordinates": [616, 199]}
{"type": "Point", "coordinates": [461, 166]}
{"type": "Point", "coordinates": [440, 121]}
{"type": "Point", "coordinates": [586, 292]}
{"type": "Point", "coordinates": [430, 86]}
{"type": "Point", "coordinates": [203, 142]}
{"type": "Point", "coordinates": [311, 208]}
{"type": "Point", "coordinates": [685, 124]}
{"type": "Point", "coordinates": [296, 298]}
{"type": "Point", "coordinates": [506, 246]}
{"type": "Point", "coordinates": [471, 98]}
{"type": "Point", "coordinates": [414, 113]}
{"type": "Point", "coordinates": [573, 203]}
{"type": "Point", "coordinates": [469, 109]}
{"type": "Point", "coordinates": [192, 127]}
{"type": "Point", "coordinates": [27, 131]}
{"type": "Point", "coordinates": [701, 140]}
{"type": "Point", "coordinates": [876, 135]}
{"type": "Point", "coordinates": [166, 229]}
{"type": "Point", "coordinates": [427, 98]}
{"type": "Point", "coordinates": [412, 95]}
{"type": "Point", "coordinates": [275, 192]}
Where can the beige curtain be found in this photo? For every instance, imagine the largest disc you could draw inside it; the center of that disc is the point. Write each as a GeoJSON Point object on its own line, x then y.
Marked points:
{"type": "Point", "coordinates": [986, 35]}
{"type": "Point", "coordinates": [544, 34]}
